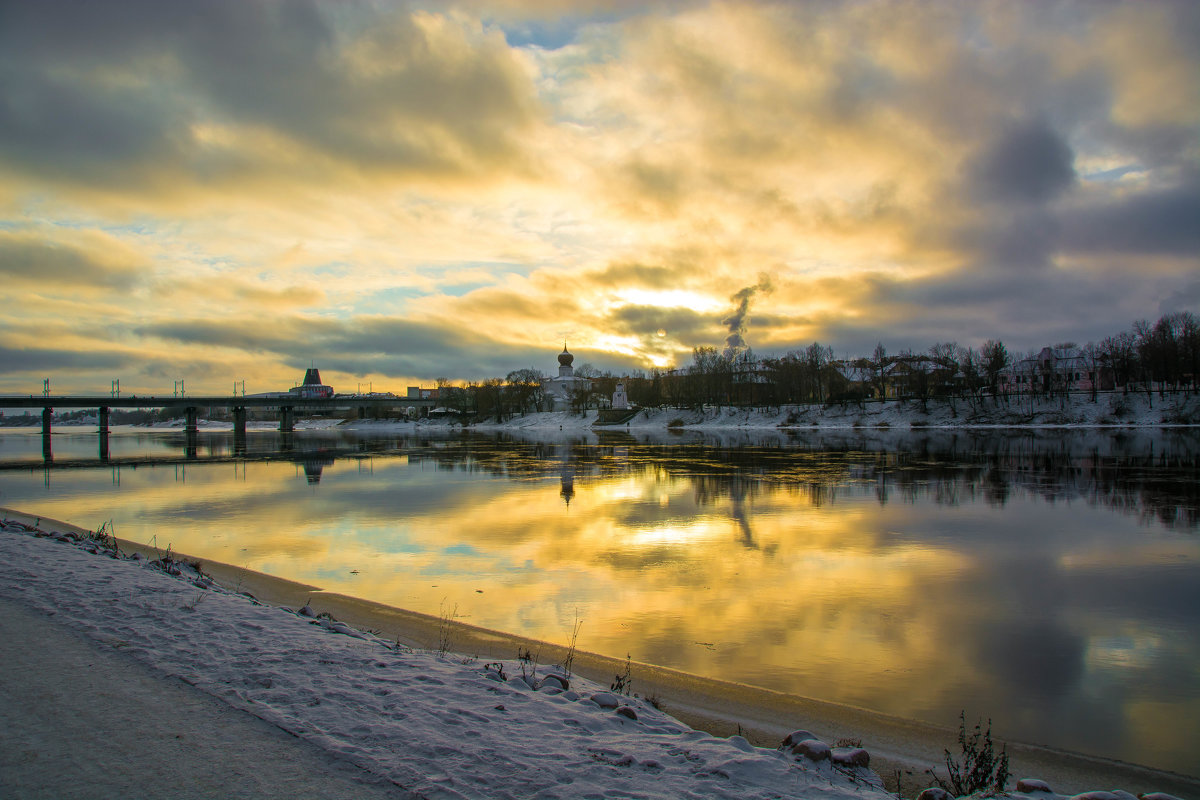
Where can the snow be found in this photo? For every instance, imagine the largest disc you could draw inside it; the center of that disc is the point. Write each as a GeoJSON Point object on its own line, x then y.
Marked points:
{"type": "Point", "coordinates": [439, 725]}
{"type": "Point", "coordinates": [436, 724]}
{"type": "Point", "coordinates": [1108, 409]}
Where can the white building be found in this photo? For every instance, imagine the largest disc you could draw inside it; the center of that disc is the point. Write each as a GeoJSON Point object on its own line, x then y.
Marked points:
{"type": "Point", "coordinates": [620, 400]}
{"type": "Point", "coordinates": [561, 390]}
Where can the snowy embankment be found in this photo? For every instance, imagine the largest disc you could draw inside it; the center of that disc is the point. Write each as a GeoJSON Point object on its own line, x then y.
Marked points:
{"type": "Point", "coordinates": [433, 723]}
{"type": "Point", "coordinates": [439, 725]}
{"type": "Point", "coordinates": [1106, 410]}
{"type": "Point", "coordinates": [1078, 411]}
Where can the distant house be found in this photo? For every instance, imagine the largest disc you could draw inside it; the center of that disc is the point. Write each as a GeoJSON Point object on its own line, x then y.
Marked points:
{"type": "Point", "coordinates": [1056, 369]}
{"type": "Point", "coordinates": [856, 378]}
{"type": "Point", "coordinates": [921, 376]}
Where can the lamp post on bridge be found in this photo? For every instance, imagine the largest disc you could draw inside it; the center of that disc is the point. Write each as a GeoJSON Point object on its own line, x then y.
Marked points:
{"type": "Point", "coordinates": [47, 416]}
{"type": "Point", "coordinates": [102, 420]}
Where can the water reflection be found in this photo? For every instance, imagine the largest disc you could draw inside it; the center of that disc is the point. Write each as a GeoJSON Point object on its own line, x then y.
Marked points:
{"type": "Point", "coordinates": [1048, 580]}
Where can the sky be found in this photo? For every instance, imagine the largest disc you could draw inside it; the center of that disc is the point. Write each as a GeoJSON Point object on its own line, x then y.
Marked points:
{"type": "Point", "coordinates": [236, 190]}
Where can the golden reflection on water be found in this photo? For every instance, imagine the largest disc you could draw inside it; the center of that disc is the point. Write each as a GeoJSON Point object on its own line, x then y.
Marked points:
{"type": "Point", "coordinates": [750, 588]}
{"type": "Point", "coordinates": [824, 584]}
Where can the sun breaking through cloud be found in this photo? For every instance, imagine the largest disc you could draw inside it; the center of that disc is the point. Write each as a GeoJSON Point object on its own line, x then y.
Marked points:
{"type": "Point", "coordinates": [404, 191]}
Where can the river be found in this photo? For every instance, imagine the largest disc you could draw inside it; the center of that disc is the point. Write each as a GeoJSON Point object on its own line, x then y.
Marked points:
{"type": "Point", "coordinates": [1048, 580]}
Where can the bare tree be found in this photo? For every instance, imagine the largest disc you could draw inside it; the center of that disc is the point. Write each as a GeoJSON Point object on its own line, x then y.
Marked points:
{"type": "Point", "coordinates": [995, 360]}
{"type": "Point", "coordinates": [525, 389]}
{"type": "Point", "coordinates": [817, 360]}
{"type": "Point", "coordinates": [879, 363]}
{"type": "Point", "coordinates": [969, 365]}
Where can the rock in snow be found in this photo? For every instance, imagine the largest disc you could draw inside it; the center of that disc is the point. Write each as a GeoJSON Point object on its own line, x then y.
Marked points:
{"type": "Point", "coordinates": [796, 737]}
{"type": "Point", "coordinates": [813, 749]}
{"type": "Point", "coordinates": [606, 700]}
{"type": "Point", "coordinates": [935, 793]}
{"type": "Point", "coordinates": [851, 757]}
{"type": "Point", "coordinates": [556, 680]}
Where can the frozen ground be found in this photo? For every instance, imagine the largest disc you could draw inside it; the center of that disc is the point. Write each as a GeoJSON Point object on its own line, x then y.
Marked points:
{"type": "Point", "coordinates": [1108, 410]}
{"type": "Point", "coordinates": [1077, 411]}
{"type": "Point", "coordinates": [428, 724]}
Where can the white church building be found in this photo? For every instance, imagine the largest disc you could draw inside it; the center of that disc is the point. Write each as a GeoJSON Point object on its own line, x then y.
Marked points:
{"type": "Point", "coordinates": [559, 391]}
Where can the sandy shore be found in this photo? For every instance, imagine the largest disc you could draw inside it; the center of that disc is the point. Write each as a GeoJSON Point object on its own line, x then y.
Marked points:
{"type": "Point", "coordinates": [764, 717]}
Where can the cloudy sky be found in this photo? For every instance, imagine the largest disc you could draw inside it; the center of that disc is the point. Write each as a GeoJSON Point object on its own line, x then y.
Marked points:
{"type": "Point", "coordinates": [224, 191]}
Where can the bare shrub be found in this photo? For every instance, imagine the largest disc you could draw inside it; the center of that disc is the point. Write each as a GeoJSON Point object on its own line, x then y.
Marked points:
{"type": "Point", "coordinates": [623, 683]}
{"type": "Point", "coordinates": [980, 769]}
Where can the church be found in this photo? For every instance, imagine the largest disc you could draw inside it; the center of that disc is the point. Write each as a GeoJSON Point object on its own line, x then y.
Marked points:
{"type": "Point", "coordinates": [559, 391]}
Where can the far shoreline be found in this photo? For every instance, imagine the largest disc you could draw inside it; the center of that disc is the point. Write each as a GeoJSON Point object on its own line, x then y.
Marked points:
{"type": "Point", "coordinates": [721, 708]}
{"type": "Point", "coordinates": [1107, 411]}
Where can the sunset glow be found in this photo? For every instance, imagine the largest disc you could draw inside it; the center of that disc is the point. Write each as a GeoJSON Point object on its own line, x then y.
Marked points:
{"type": "Point", "coordinates": [397, 192]}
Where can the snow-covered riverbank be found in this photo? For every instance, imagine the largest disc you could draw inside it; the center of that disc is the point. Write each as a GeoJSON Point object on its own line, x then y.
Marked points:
{"type": "Point", "coordinates": [437, 724]}
{"type": "Point", "coordinates": [1107, 410]}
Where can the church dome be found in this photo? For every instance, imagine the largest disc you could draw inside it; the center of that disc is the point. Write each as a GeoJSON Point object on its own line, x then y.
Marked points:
{"type": "Point", "coordinates": [565, 359]}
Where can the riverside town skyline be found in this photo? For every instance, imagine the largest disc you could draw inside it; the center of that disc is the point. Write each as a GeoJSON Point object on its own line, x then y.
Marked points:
{"type": "Point", "coordinates": [401, 192]}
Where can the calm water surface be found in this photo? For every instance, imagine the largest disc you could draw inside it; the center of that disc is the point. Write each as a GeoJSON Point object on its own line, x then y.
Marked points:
{"type": "Point", "coordinates": [1048, 580]}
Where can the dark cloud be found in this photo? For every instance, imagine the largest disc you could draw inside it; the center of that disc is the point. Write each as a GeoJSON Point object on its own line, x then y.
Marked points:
{"type": "Point", "coordinates": [681, 324]}
{"type": "Point", "coordinates": [1165, 222]}
{"type": "Point", "coordinates": [654, 277]}
{"type": "Point", "coordinates": [1025, 311]}
{"type": "Point", "coordinates": [112, 92]}
{"type": "Point", "coordinates": [58, 266]}
{"type": "Point", "coordinates": [260, 336]}
{"type": "Point", "coordinates": [1185, 297]}
{"type": "Point", "coordinates": [42, 360]}
{"type": "Point", "coordinates": [462, 361]}
{"type": "Point", "coordinates": [1011, 242]}
{"type": "Point", "coordinates": [380, 346]}
{"type": "Point", "coordinates": [1027, 163]}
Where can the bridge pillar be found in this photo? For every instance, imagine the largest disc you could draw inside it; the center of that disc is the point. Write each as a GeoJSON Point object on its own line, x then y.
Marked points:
{"type": "Point", "coordinates": [192, 414]}
{"type": "Point", "coordinates": [47, 414]}
{"type": "Point", "coordinates": [287, 419]}
{"type": "Point", "coordinates": [104, 445]}
{"type": "Point", "coordinates": [47, 450]}
{"type": "Point", "coordinates": [103, 419]}
{"type": "Point", "coordinates": [239, 430]}
{"type": "Point", "coordinates": [362, 412]}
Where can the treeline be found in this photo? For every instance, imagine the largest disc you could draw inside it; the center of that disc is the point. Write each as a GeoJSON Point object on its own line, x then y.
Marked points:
{"type": "Point", "coordinates": [1160, 356]}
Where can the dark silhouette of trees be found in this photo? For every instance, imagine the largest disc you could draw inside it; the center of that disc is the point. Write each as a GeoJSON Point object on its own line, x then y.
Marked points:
{"type": "Point", "coordinates": [524, 390]}
{"type": "Point", "coordinates": [1163, 355]}
{"type": "Point", "coordinates": [995, 360]}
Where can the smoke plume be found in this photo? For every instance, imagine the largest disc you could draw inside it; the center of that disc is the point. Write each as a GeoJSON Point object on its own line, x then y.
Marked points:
{"type": "Point", "coordinates": [735, 342]}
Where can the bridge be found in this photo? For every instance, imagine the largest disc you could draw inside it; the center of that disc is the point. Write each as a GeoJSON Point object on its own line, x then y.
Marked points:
{"type": "Point", "coordinates": [287, 406]}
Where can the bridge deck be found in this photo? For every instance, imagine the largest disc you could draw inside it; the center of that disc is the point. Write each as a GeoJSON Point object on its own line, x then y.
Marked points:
{"type": "Point", "coordinates": [100, 401]}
